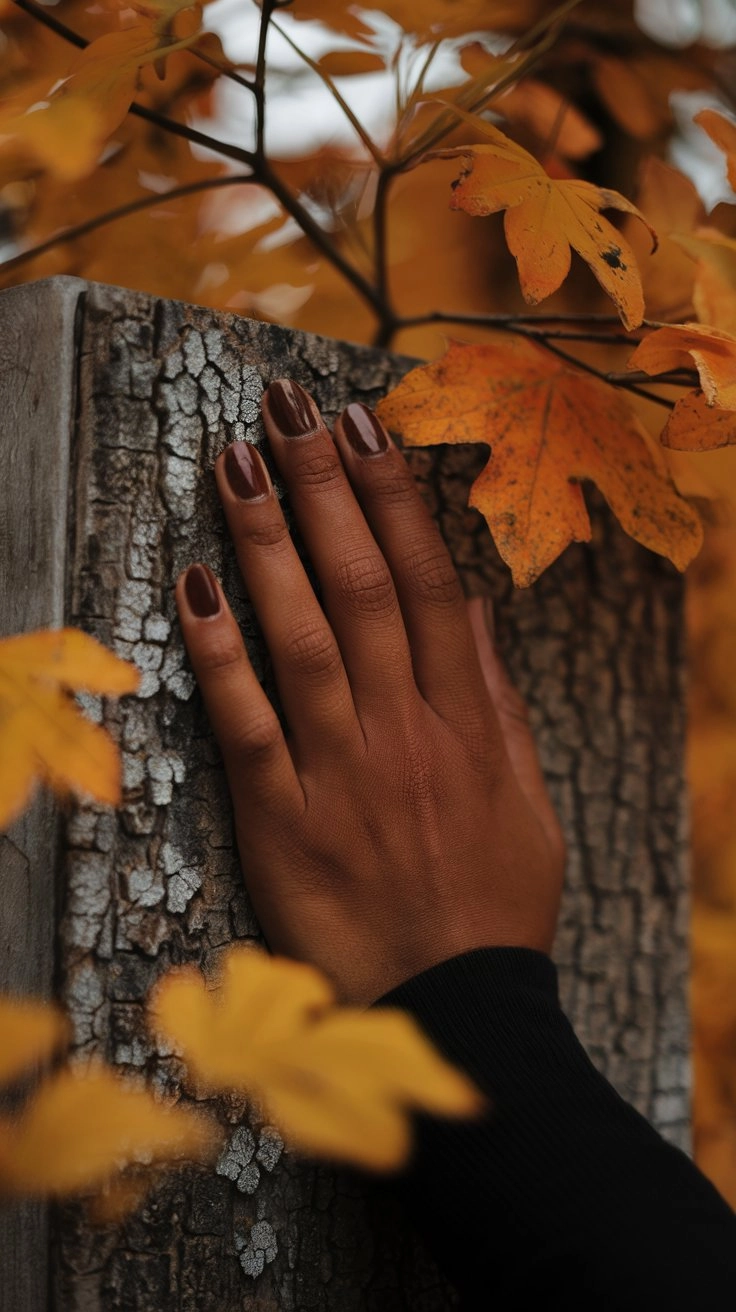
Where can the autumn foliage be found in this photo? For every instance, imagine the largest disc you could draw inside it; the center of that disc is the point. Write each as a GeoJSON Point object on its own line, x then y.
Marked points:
{"type": "Point", "coordinates": [512, 219]}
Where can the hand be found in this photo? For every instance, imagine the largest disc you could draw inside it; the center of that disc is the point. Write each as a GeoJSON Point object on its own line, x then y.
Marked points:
{"type": "Point", "coordinates": [403, 818]}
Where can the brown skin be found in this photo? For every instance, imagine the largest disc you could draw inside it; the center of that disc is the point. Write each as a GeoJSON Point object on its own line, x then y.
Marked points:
{"type": "Point", "coordinates": [403, 819]}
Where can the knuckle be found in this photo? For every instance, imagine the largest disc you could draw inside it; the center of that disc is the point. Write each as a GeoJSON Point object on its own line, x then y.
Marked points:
{"type": "Point", "coordinates": [365, 585]}
{"type": "Point", "coordinates": [223, 654]}
{"type": "Point", "coordinates": [321, 470]}
{"type": "Point", "coordinates": [512, 704]}
{"type": "Point", "coordinates": [314, 651]}
{"type": "Point", "coordinates": [269, 533]}
{"type": "Point", "coordinates": [393, 482]}
{"type": "Point", "coordinates": [433, 576]}
{"type": "Point", "coordinates": [257, 739]}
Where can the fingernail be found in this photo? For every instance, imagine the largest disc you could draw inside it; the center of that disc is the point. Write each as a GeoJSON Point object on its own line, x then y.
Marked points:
{"type": "Point", "coordinates": [201, 591]}
{"type": "Point", "coordinates": [291, 409]}
{"type": "Point", "coordinates": [364, 430]}
{"type": "Point", "coordinates": [245, 471]}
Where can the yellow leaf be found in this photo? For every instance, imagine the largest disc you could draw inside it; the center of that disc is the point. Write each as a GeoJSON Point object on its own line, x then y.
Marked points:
{"type": "Point", "coordinates": [29, 1031]}
{"type": "Point", "coordinates": [82, 1126]}
{"type": "Point", "coordinates": [66, 127]}
{"type": "Point", "coordinates": [722, 131]}
{"type": "Point", "coordinates": [42, 733]}
{"type": "Point", "coordinates": [545, 218]}
{"type": "Point", "coordinates": [679, 345]}
{"type": "Point", "coordinates": [68, 657]}
{"type": "Point", "coordinates": [337, 1082]}
{"type": "Point", "coordinates": [549, 427]}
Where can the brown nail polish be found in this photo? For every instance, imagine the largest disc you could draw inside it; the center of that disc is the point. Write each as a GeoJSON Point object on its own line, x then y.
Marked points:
{"type": "Point", "coordinates": [364, 430]}
{"type": "Point", "coordinates": [201, 590]}
{"type": "Point", "coordinates": [291, 409]}
{"type": "Point", "coordinates": [245, 471]}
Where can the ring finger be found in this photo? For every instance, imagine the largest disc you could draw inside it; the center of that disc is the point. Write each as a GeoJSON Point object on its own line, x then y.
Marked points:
{"type": "Point", "coordinates": [312, 682]}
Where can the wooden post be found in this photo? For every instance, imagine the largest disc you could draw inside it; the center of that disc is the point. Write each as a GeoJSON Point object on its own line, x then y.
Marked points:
{"type": "Point", "coordinates": [126, 401]}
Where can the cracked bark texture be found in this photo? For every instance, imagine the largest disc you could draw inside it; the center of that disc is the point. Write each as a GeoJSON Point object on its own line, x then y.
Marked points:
{"type": "Point", "coordinates": [153, 392]}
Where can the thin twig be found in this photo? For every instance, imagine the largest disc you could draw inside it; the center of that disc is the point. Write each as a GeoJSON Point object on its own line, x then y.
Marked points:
{"type": "Point", "coordinates": [597, 373]}
{"type": "Point", "coordinates": [352, 118]}
{"type": "Point", "coordinates": [446, 122]}
{"type": "Point", "coordinates": [499, 320]}
{"type": "Point", "coordinates": [122, 211]}
{"type": "Point", "coordinates": [223, 70]}
{"type": "Point", "coordinates": [387, 322]}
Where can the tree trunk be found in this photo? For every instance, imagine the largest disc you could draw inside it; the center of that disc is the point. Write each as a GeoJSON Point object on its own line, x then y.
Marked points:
{"type": "Point", "coordinates": [128, 400]}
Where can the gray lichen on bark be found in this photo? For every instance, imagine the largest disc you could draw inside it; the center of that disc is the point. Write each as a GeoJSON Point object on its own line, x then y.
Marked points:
{"type": "Point", "coordinates": [595, 647]}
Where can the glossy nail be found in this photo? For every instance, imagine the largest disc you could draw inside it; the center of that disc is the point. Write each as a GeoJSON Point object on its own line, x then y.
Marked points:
{"type": "Point", "coordinates": [364, 430]}
{"type": "Point", "coordinates": [291, 409]}
{"type": "Point", "coordinates": [245, 471]}
{"type": "Point", "coordinates": [201, 590]}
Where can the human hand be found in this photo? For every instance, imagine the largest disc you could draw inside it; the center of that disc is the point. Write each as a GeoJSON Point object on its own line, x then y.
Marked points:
{"type": "Point", "coordinates": [403, 818]}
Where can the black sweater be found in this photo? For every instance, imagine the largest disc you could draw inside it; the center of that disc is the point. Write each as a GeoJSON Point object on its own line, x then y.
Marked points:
{"type": "Point", "coordinates": [561, 1196]}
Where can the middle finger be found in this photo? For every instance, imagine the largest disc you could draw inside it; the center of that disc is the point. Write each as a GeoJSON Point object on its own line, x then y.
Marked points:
{"type": "Point", "coordinates": [358, 591]}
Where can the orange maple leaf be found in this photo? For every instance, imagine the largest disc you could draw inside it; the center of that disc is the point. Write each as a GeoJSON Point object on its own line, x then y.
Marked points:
{"type": "Point", "coordinates": [722, 131]}
{"type": "Point", "coordinates": [546, 217]}
{"type": "Point", "coordinates": [680, 345]}
{"type": "Point", "coordinates": [42, 734]}
{"type": "Point", "coordinates": [696, 425]}
{"type": "Point", "coordinates": [549, 426]}
{"type": "Point", "coordinates": [714, 294]}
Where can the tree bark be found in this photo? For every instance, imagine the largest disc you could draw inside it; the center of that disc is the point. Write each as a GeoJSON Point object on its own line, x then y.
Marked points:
{"type": "Point", "coordinates": [154, 392]}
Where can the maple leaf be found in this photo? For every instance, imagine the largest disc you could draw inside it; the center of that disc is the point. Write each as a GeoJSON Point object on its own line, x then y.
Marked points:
{"type": "Point", "coordinates": [82, 1125]}
{"type": "Point", "coordinates": [42, 732]}
{"type": "Point", "coordinates": [679, 345]}
{"type": "Point", "coordinates": [714, 295]}
{"type": "Point", "coordinates": [697, 425]}
{"type": "Point", "coordinates": [337, 1081]}
{"type": "Point", "coordinates": [722, 131]}
{"type": "Point", "coordinates": [549, 426]}
{"type": "Point", "coordinates": [29, 1031]}
{"type": "Point", "coordinates": [546, 217]}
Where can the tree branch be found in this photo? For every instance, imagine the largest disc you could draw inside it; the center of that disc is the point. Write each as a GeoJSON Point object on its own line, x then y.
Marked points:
{"type": "Point", "coordinates": [262, 170]}
{"type": "Point", "coordinates": [150, 115]}
{"type": "Point", "coordinates": [122, 211]}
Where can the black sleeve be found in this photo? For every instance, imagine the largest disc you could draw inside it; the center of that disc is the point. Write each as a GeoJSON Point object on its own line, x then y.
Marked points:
{"type": "Point", "coordinates": [561, 1196]}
